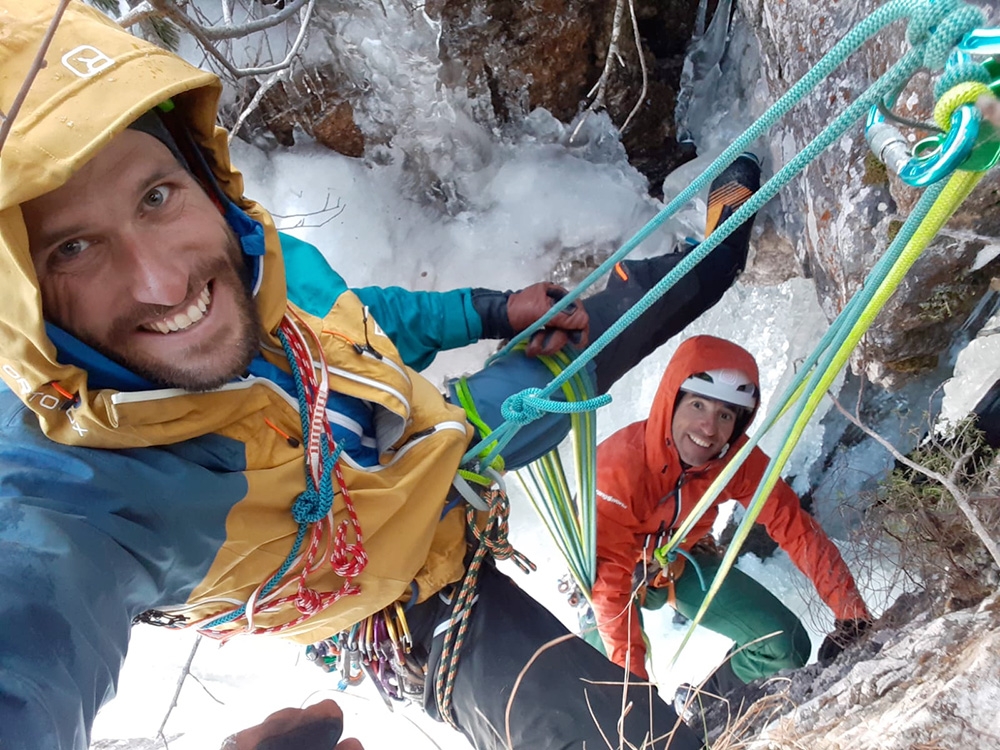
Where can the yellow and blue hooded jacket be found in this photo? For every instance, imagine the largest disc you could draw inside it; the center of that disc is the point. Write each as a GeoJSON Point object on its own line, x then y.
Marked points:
{"type": "Point", "coordinates": [118, 496]}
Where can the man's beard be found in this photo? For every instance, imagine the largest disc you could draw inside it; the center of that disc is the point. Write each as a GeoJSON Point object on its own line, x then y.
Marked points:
{"type": "Point", "coordinates": [232, 356]}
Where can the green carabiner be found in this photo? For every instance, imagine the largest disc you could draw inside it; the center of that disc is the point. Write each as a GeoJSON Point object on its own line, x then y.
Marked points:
{"type": "Point", "coordinates": [986, 151]}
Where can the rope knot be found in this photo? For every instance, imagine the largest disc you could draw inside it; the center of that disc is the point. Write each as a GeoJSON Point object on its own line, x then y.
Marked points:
{"type": "Point", "coordinates": [347, 559]}
{"type": "Point", "coordinates": [311, 506]}
{"type": "Point", "coordinates": [523, 408]}
{"type": "Point", "coordinates": [307, 601]}
{"type": "Point", "coordinates": [926, 16]}
{"type": "Point", "coordinates": [953, 21]}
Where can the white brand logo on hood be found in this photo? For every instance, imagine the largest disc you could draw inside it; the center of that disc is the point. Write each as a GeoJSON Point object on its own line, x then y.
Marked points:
{"type": "Point", "coordinates": [86, 61]}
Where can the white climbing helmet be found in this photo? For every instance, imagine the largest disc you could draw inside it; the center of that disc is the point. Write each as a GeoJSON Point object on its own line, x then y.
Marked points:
{"type": "Point", "coordinates": [731, 386]}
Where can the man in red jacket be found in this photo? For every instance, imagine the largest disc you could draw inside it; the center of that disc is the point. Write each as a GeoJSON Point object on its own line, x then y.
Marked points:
{"type": "Point", "coordinates": [650, 475]}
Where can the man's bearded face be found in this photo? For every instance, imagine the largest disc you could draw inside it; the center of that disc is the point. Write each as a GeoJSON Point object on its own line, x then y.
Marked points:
{"type": "Point", "coordinates": [135, 260]}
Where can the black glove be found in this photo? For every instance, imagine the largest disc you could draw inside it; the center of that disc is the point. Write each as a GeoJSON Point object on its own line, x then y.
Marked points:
{"type": "Point", "coordinates": [845, 632]}
{"type": "Point", "coordinates": [505, 314]}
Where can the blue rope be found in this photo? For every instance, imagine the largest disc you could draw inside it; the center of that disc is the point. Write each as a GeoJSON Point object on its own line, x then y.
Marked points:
{"type": "Point", "coordinates": [525, 407]}
{"type": "Point", "coordinates": [311, 505]}
{"type": "Point", "coordinates": [672, 555]}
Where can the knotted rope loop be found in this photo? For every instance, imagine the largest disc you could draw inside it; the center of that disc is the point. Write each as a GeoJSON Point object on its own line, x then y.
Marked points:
{"type": "Point", "coordinates": [494, 536]}
{"type": "Point", "coordinates": [958, 22]}
{"type": "Point", "coordinates": [527, 406]}
{"type": "Point", "coordinates": [308, 601]}
{"type": "Point", "coordinates": [524, 407]}
{"type": "Point", "coordinates": [925, 18]}
{"type": "Point", "coordinates": [348, 559]}
{"type": "Point", "coordinates": [311, 506]}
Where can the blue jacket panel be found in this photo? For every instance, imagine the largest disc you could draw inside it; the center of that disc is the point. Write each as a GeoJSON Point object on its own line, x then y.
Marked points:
{"type": "Point", "coordinates": [89, 539]}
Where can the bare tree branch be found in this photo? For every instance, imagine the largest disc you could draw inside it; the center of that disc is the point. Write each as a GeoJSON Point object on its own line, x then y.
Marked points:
{"type": "Point", "coordinates": [599, 90]}
{"type": "Point", "coordinates": [613, 54]}
{"type": "Point", "coordinates": [37, 64]}
{"type": "Point", "coordinates": [642, 65]}
{"type": "Point", "coordinates": [267, 85]}
{"type": "Point", "coordinates": [207, 35]}
{"type": "Point", "coordinates": [960, 497]}
{"type": "Point", "coordinates": [138, 14]}
{"type": "Point", "coordinates": [180, 683]}
{"type": "Point", "coordinates": [229, 31]}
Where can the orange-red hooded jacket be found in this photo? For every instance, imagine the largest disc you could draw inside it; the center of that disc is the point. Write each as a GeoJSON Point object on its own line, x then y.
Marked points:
{"type": "Point", "coordinates": [644, 491]}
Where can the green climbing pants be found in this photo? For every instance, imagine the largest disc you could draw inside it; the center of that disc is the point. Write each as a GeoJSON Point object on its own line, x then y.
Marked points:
{"type": "Point", "coordinates": [768, 635]}
{"type": "Point", "coordinates": [743, 611]}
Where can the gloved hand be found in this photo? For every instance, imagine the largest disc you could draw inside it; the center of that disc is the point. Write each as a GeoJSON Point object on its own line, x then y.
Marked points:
{"type": "Point", "coordinates": [531, 303]}
{"type": "Point", "coordinates": [845, 632]}
{"type": "Point", "coordinates": [317, 727]}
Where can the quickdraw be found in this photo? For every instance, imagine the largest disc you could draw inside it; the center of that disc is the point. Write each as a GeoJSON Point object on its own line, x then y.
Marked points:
{"type": "Point", "coordinates": [380, 647]}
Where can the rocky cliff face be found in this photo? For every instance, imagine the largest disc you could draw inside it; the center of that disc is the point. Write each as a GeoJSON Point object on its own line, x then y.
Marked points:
{"type": "Point", "coordinates": [844, 209]}
{"type": "Point", "coordinates": [504, 59]}
{"type": "Point", "coordinates": [921, 681]}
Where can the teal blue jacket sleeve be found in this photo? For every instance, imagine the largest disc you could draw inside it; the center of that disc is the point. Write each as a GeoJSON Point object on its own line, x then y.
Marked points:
{"type": "Point", "coordinates": [420, 324]}
{"type": "Point", "coordinates": [65, 626]}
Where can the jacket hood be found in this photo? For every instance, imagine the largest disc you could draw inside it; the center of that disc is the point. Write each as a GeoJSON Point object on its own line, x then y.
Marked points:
{"type": "Point", "coordinates": [697, 354]}
{"type": "Point", "coordinates": [97, 80]}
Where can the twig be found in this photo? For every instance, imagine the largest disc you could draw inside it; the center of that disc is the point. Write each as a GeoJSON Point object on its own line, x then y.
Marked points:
{"type": "Point", "coordinates": [206, 35]}
{"type": "Point", "coordinates": [642, 65]}
{"type": "Point", "coordinates": [219, 33]}
{"type": "Point", "coordinates": [180, 683]}
{"type": "Point", "coordinates": [517, 683]}
{"type": "Point", "coordinates": [334, 212]}
{"type": "Point", "coordinates": [258, 97]}
{"type": "Point", "coordinates": [960, 497]}
{"type": "Point", "coordinates": [37, 64]}
{"type": "Point", "coordinates": [139, 13]}
{"type": "Point", "coordinates": [613, 54]}
{"type": "Point", "coordinates": [203, 687]}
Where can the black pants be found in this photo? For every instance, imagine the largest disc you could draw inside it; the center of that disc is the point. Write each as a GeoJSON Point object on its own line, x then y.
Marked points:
{"type": "Point", "coordinates": [695, 293]}
{"type": "Point", "coordinates": [570, 695]}
{"type": "Point", "coordinates": [682, 304]}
